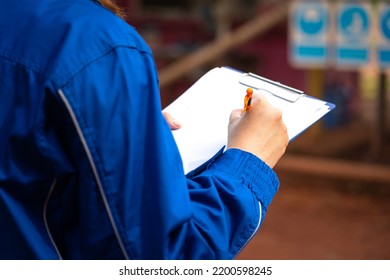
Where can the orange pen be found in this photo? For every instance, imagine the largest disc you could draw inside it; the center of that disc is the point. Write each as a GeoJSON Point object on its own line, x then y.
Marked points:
{"type": "Point", "coordinates": [248, 99]}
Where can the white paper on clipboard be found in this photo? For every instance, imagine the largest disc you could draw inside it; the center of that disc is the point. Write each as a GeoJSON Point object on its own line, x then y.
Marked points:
{"type": "Point", "coordinates": [204, 111]}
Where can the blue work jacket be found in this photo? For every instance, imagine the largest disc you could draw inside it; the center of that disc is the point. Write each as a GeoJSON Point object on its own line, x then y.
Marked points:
{"type": "Point", "coordinates": [88, 165]}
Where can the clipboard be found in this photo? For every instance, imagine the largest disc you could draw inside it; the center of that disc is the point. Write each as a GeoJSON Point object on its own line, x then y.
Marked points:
{"type": "Point", "coordinates": [204, 110]}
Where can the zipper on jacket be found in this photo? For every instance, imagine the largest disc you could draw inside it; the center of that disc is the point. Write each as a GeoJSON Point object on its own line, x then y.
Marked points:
{"type": "Point", "coordinates": [45, 218]}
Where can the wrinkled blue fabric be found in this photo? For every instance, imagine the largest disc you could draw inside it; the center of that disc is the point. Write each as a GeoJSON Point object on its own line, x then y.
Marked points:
{"type": "Point", "coordinates": [88, 165]}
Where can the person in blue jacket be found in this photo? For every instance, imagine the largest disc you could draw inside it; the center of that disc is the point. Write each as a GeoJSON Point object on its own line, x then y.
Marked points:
{"type": "Point", "coordinates": [89, 168]}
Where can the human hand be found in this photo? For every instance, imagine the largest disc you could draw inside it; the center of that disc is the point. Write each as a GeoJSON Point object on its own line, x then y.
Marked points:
{"type": "Point", "coordinates": [260, 131]}
{"type": "Point", "coordinates": [173, 124]}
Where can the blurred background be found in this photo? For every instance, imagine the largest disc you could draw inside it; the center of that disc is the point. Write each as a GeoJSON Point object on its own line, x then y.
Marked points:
{"type": "Point", "coordinates": [334, 199]}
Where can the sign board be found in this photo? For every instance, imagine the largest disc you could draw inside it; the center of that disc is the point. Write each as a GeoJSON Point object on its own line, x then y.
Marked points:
{"type": "Point", "coordinates": [353, 34]}
{"type": "Point", "coordinates": [309, 28]}
{"type": "Point", "coordinates": [383, 50]}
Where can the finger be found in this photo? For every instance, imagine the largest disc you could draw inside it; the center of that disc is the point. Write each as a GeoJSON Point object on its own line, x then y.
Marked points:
{"type": "Point", "coordinates": [235, 114]}
{"type": "Point", "coordinates": [173, 123]}
{"type": "Point", "coordinates": [258, 98]}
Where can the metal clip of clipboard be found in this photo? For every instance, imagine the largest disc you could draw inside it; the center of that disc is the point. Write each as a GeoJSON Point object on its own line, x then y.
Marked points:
{"type": "Point", "coordinates": [275, 88]}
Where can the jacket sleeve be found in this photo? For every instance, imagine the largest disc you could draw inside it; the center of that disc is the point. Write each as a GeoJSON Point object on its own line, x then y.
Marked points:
{"type": "Point", "coordinates": [155, 211]}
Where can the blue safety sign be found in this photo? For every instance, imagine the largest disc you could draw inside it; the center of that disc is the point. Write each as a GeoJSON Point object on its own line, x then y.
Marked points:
{"type": "Point", "coordinates": [384, 35]}
{"type": "Point", "coordinates": [309, 28]}
{"type": "Point", "coordinates": [385, 23]}
{"type": "Point", "coordinates": [353, 33]}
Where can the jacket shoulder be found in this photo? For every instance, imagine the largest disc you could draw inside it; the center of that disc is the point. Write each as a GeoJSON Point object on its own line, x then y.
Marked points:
{"type": "Point", "coordinates": [62, 37]}
{"type": "Point", "coordinates": [89, 36]}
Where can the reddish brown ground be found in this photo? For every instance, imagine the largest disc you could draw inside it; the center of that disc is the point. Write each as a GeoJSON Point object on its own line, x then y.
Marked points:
{"type": "Point", "coordinates": [324, 219]}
